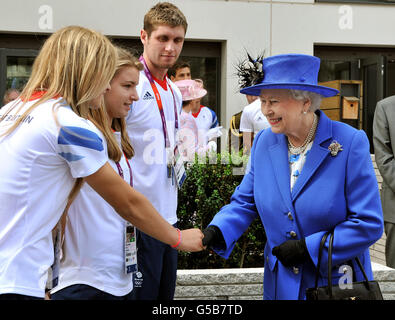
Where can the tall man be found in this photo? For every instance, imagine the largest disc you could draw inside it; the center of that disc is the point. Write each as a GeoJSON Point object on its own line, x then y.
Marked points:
{"type": "Point", "coordinates": [384, 146]}
{"type": "Point", "coordinates": [152, 125]}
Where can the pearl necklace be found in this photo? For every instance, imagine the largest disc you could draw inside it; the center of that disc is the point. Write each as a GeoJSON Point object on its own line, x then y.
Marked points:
{"type": "Point", "coordinates": [298, 150]}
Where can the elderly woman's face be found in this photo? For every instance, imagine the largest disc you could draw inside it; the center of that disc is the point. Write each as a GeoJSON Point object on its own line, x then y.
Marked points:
{"type": "Point", "coordinates": [283, 112]}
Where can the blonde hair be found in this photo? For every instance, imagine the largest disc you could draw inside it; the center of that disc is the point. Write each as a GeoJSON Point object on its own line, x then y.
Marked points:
{"type": "Point", "coordinates": [124, 59]}
{"type": "Point", "coordinates": [164, 13]}
{"type": "Point", "coordinates": [75, 63]}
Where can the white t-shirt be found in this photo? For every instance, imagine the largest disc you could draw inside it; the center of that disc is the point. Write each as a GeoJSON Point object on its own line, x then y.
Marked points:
{"type": "Point", "coordinates": [149, 165]}
{"type": "Point", "coordinates": [252, 118]}
{"type": "Point", "coordinates": [39, 163]}
{"type": "Point", "coordinates": [93, 250]}
{"type": "Point", "coordinates": [205, 119]}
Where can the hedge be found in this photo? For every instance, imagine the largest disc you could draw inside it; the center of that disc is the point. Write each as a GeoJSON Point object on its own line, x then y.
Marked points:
{"type": "Point", "coordinates": [209, 186]}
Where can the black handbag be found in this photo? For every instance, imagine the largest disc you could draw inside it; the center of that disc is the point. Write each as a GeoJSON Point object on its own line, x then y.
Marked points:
{"type": "Point", "coordinates": [362, 290]}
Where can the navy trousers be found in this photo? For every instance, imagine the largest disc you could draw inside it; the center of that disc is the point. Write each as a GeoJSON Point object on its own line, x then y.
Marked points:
{"type": "Point", "coordinates": [84, 292]}
{"type": "Point", "coordinates": [157, 269]}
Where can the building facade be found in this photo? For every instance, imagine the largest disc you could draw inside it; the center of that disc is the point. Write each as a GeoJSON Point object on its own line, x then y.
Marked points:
{"type": "Point", "coordinates": [354, 39]}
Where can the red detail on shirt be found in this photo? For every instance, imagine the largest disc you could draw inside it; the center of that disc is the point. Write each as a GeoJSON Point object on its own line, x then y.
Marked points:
{"type": "Point", "coordinates": [197, 113]}
{"type": "Point", "coordinates": [38, 94]}
{"type": "Point", "coordinates": [162, 83]}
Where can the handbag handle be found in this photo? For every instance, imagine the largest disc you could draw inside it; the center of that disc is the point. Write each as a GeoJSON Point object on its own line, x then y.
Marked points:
{"type": "Point", "coordinates": [322, 244]}
{"type": "Point", "coordinates": [330, 249]}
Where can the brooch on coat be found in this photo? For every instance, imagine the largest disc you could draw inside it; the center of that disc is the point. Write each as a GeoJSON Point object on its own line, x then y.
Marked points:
{"type": "Point", "coordinates": [334, 148]}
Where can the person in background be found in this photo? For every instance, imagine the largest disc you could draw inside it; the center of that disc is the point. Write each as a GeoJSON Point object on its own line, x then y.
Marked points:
{"type": "Point", "coordinates": [251, 122]}
{"type": "Point", "coordinates": [252, 119]}
{"type": "Point", "coordinates": [384, 143]}
{"type": "Point", "coordinates": [304, 154]}
{"type": "Point", "coordinates": [10, 95]}
{"type": "Point", "coordinates": [188, 134]}
{"type": "Point", "coordinates": [206, 118]}
{"type": "Point", "coordinates": [51, 131]}
{"type": "Point", "coordinates": [180, 71]}
{"type": "Point", "coordinates": [152, 125]}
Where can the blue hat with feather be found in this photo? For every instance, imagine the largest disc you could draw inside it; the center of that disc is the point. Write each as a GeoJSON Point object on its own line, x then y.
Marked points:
{"type": "Point", "coordinates": [290, 71]}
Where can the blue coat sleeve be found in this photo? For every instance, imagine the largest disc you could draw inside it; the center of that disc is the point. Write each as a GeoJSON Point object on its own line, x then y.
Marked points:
{"type": "Point", "coordinates": [234, 218]}
{"type": "Point", "coordinates": [363, 224]}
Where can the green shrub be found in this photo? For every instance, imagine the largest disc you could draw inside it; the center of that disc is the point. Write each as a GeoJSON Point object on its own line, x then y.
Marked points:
{"type": "Point", "coordinates": [207, 188]}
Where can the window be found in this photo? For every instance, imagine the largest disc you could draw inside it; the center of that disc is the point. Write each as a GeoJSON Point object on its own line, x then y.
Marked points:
{"type": "Point", "coordinates": [18, 71]}
{"type": "Point", "coordinates": [17, 53]}
{"type": "Point", "coordinates": [15, 69]}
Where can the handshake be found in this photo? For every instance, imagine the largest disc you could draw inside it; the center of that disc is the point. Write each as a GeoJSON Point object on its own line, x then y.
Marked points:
{"type": "Point", "coordinates": [289, 253]}
{"type": "Point", "coordinates": [194, 240]}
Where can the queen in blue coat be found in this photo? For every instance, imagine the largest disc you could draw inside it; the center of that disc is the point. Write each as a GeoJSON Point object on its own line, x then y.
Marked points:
{"type": "Point", "coordinates": [308, 175]}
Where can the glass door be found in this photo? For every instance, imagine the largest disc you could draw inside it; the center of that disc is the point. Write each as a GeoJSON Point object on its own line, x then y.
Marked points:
{"type": "Point", "coordinates": [15, 69]}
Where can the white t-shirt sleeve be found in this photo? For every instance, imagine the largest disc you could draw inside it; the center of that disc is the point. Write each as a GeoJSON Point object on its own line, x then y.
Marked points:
{"type": "Point", "coordinates": [214, 122]}
{"type": "Point", "coordinates": [83, 147]}
{"type": "Point", "coordinates": [245, 122]}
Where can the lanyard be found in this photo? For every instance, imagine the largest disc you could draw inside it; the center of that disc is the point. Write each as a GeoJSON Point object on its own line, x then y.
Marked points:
{"type": "Point", "coordinates": [120, 171]}
{"type": "Point", "coordinates": [159, 102]}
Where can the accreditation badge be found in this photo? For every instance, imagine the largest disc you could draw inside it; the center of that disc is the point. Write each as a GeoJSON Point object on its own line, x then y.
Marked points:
{"type": "Point", "coordinates": [179, 169]}
{"type": "Point", "coordinates": [130, 249]}
{"type": "Point", "coordinates": [169, 162]}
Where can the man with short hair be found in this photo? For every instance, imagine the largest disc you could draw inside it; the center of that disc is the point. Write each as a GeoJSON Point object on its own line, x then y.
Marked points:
{"type": "Point", "coordinates": [180, 71]}
{"type": "Point", "coordinates": [152, 125]}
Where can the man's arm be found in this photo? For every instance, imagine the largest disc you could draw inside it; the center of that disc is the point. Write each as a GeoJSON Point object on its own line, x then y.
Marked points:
{"type": "Point", "coordinates": [384, 153]}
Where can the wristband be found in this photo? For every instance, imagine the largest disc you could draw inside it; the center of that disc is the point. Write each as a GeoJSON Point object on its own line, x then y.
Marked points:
{"type": "Point", "coordinates": [179, 239]}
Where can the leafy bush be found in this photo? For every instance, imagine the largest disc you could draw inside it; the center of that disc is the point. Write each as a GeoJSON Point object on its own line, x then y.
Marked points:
{"type": "Point", "coordinates": [207, 188]}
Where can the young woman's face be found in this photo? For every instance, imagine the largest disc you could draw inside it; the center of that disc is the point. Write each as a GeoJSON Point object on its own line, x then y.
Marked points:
{"type": "Point", "coordinates": [122, 93]}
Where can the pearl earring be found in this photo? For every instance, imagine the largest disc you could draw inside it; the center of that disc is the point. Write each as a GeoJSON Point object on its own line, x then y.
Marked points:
{"type": "Point", "coordinates": [304, 112]}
